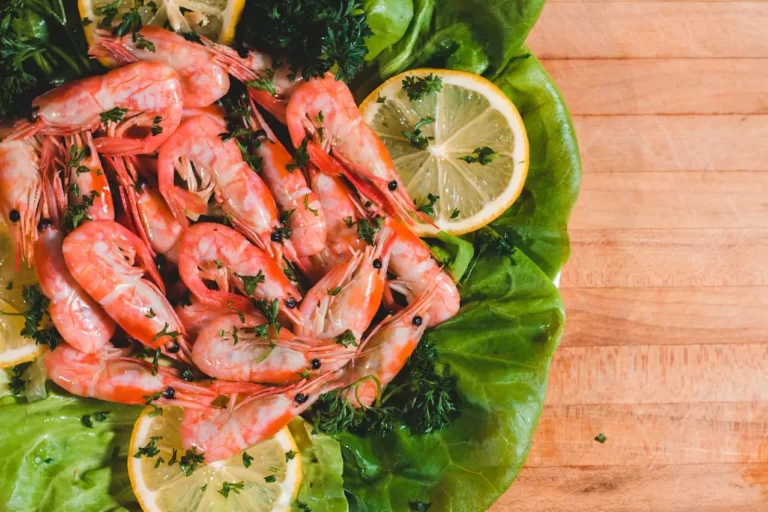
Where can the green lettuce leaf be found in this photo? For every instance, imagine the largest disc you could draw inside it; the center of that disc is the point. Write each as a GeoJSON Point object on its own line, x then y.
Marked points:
{"type": "Point", "coordinates": [322, 488]}
{"type": "Point", "coordinates": [52, 462]}
{"type": "Point", "coordinates": [389, 20]}
{"type": "Point", "coordinates": [500, 347]}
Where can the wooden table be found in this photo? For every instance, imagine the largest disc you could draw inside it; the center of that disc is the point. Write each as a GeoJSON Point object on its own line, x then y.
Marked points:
{"type": "Point", "coordinates": [666, 344]}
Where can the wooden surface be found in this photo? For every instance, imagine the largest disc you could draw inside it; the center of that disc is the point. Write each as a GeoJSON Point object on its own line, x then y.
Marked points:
{"type": "Point", "coordinates": [666, 343]}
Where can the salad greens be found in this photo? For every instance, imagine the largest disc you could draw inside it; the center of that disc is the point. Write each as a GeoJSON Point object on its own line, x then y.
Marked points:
{"type": "Point", "coordinates": [496, 351]}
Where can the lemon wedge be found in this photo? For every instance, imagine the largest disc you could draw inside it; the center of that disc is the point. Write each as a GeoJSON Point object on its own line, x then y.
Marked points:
{"type": "Point", "coordinates": [15, 348]}
{"type": "Point", "coordinates": [269, 483]}
{"type": "Point", "coordinates": [468, 162]}
{"type": "Point", "coordinates": [214, 19]}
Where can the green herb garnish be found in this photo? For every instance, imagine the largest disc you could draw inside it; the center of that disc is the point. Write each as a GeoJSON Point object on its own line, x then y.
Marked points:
{"type": "Point", "coordinates": [419, 88]}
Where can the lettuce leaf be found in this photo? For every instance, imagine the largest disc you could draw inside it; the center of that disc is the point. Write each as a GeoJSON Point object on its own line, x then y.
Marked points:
{"type": "Point", "coordinates": [51, 461]}
{"type": "Point", "coordinates": [322, 488]}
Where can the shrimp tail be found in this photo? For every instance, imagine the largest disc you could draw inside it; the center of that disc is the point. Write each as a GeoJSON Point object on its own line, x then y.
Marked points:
{"type": "Point", "coordinates": [106, 45]}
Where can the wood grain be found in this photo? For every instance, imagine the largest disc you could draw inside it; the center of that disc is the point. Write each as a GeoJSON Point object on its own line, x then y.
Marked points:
{"type": "Point", "coordinates": [663, 200]}
{"type": "Point", "coordinates": [661, 258]}
{"type": "Point", "coordinates": [659, 374]}
{"type": "Point", "coordinates": [668, 86]}
{"type": "Point", "coordinates": [673, 143]}
{"type": "Point", "coordinates": [665, 316]}
{"type": "Point", "coordinates": [668, 488]}
{"type": "Point", "coordinates": [651, 30]}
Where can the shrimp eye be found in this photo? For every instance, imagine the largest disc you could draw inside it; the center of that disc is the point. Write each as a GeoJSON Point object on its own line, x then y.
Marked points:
{"type": "Point", "coordinates": [169, 393]}
{"type": "Point", "coordinates": [172, 347]}
{"type": "Point", "coordinates": [44, 224]}
{"type": "Point", "coordinates": [392, 185]}
{"type": "Point", "coordinates": [315, 364]}
{"type": "Point", "coordinates": [290, 303]}
{"type": "Point", "coordinates": [417, 321]}
{"type": "Point", "coordinates": [242, 51]}
{"type": "Point", "coordinates": [276, 237]}
{"type": "Point", "coordinates": [87, 151]}
{"type": "Point", "coordinates": [377, 263]}
{"type": "Point", "coordinates": [32, 117]}
{"type": "Point", "coordinates": [300, 398]}
{"type": "Point", "coordinates": [260, 135]}
{"type": "Point", "coordinates": [14, 215]}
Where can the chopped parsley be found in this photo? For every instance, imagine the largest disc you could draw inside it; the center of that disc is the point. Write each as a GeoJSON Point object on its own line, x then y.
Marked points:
{"type": "Point", "coordinates": [150, 313]}
{"type": "Point", "coordinates": [334, 291]}
{"type": "Point", "coordinates": [270, 479]}
{"type": "Point", "coordinates": [289, 455]}
{"type": "Point", "coordinates": [142, 43]}
{"type": "Point", "coordinates": [115, 115]}
{"type": "Point", "coordinates": [156, 128]}
{"type": "Point", "coordinates": [190, 460]}
{"type": "Point", "coordinates": [419, 88]}
{"type": "Point", "coordinates": [367, 229]}
{"type": "Point", "coordinates": [346, 339]}
{"type": "Point", "coordinates": [381, 99]}
{"type": "Point", "coordinates": [149, 450]}
{"type": "Point", "coordinates": [415, 137]}
{"type": "Point", "coordinates": [227, 487]}
{"type": "Point", "coordinates": [307, 207]}
{"type": "Point", "coordinates": [483, 155]}
{"type": "Point", "coordinates": [265, 84]}
{"type": "Point", "coordinates": [247, 459]}
{"type": "Point", "coordinates": [600, 438]}
{"type": "Point", "coordinates": [301, 158]}
{"type": "Point", "coordinates": [251, 282]}
{"type": "Point", "coordinates": [37, 308]}
{"type": "Point", "coordinates": [455, 213]}
{"type": "Point", "coordinates": [428, 207]}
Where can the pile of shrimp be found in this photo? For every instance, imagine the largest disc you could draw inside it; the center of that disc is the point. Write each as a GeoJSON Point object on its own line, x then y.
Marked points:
{"type": "Point", "coordinates": [132, 191]}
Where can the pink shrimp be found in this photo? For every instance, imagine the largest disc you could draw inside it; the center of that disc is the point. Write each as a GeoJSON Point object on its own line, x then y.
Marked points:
{"type": "Point", "coordinates": [347, 298]}
{"type": "Point", "coordinates": [85, 179]}
{"type": "Point", "coordinates": [102, 257]}
{"type": "Point", "coordinates": [219, 254]}
{"type": "Point", "coordinates": [260, 68]}
{"type": "Point", "coordinates": [222, 433]}
{"type": "Point", "coordinates": [249, 350]}
{"type": "Point", "coordinates": [195, 315]}
{"type": "Point", "coordinates": [151, 218]}
{"type": "Point", "coordinates": [203, 81]}
{"type": "Point", "coordinates": [342, 143]}
{"type": "Point", "coordinates": [149, 92]}
{"type": "Point", "coordinates": [290, 191]}
{"type": "Point", "coordinates": [417, 272]}
{"type": "Point", "coordinates": [21, 193]}
{"type": "Point", "coordinates": [341, 213]}
{"type": "Point", "coordinates": [386, 350]}
{"type": "Point", "coordinates": [78, 318]}
{"type": "Point", "coordinates": [208, 165]}
{"type": "Point", "coordinates": [110, 376]}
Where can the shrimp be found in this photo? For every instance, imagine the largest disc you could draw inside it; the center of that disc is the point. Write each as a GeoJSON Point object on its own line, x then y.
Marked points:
{"type": "Point", "coordinates": [109, 262]}
{"type": "Point", "coordinates": [342, 143]}
{"type": "Point", "coordinates": [386, 350]}
{"type": "Point", "coordinates": [203, 81]}
{"type": "Point", "coordinates": [149, 93]}
{"type": "Point", "coordinates": [290, 191]}
{"type": "Point", "coordinates": [195, 315]}
{"type": "Point", "coordinates": [85, 179]}
{"type": "Point", "coordinates": [222, 433]}
{"type": "Point", "coordinates": [21, 193]}
{"type": "Point", "coordinates": [245, 348]}
{"type": "Point", "coordinates": [219, 254]}
{"type": "Point", "coordinates": [78, 318]}
{"type": "Point", "coordinates": [151, 218]}
{"type": "Point", "coordinates": [347, 298]}
{"type": "Point", "coordinates": [108, 375]}
{"type": "Point", "coordinates": [259, 72]}
{"type": "Point", "coordinates": [341, 214]}
{"type": "Point", "coordinates": [208, 165]}
{"type": "Point", "coordinates": [417, 272]}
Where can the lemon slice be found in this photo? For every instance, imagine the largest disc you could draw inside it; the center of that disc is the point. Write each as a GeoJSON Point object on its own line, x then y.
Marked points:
{"type": "Point", "coordinates": [473, 120]}
{"type": "Point", "coordinates": [214, 19]}
{"type": "Point", "coordinates": [11, 281]}
{"type": "Point", "coordinates": [269, 483]}
{"type": "Point", "coordinates": [15, 348]}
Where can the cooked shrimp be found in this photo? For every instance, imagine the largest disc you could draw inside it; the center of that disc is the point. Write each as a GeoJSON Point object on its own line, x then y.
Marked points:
{"type": "Point", "coordinates": [258, 68]}
{"type": "Point", "coordinates": [342, 143]}
{"type": "Point", "coordinates": [221, 433]}
{"type": "Point", "coordinates": [78, 318]}
{"type": "Point", "coordinates": [21, 192]}
{"type": "Point", "coordinates": [109, 262]}
{"type": "Point", "coordinates": [386, 350]}
{"type": "Point", "coordinates": [219, 254]}
{"type": "Point", "coordinates": [151, 218]}
{"type": "Point", "coordinates": [203, 81]}
{"type": "Point", "coordinates": [85, 178]}
{"type": "Point", "coordinates": [249, 350]}
{"type": "Point", "coordinates": [341, 214]}
{"type": "Point", "coordinates": [108, 375]}
{"type": "Point", "coordinates": [208, 165]}
{"type": "Point", "coordinates": [347, 298]}
{"type": "Point", "coordinates": [149, 91]}
{"type": "Point", "coordinates": [417, 272]}
{"type": "Point", "coordinates": [290, 191]}
{"type": "Point", "coordinates": [195, 315]}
